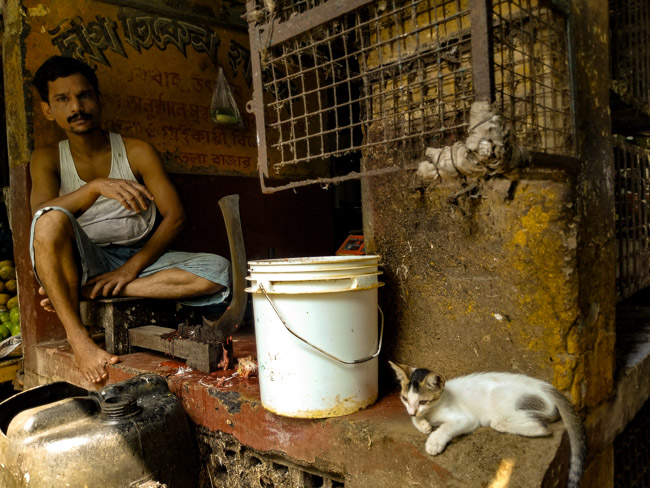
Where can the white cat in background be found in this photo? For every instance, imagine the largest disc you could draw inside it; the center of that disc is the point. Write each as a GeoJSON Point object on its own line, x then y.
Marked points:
{"type": "Point", "coordinates": [506, 402]}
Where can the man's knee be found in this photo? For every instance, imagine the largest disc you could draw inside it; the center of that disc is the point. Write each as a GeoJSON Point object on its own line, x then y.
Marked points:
{"type": "Point", "coordinates": [203, 286]}
{"type": "Point", "coordinates": [51, 227]}
{"type": "Point", "coordinates": [211, 287]}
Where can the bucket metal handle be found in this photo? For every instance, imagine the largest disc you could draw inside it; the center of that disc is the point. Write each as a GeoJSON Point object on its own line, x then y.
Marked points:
{"type": "Point", "coordinates": [329, 355]}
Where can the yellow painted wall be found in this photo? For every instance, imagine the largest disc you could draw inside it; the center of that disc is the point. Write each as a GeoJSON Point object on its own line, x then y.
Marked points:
{"type": "Point", "coordinates": [511, 273]}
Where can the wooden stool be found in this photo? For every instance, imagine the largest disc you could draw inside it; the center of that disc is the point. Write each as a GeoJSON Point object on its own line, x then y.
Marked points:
{"type": "Point", "coordinates": [169, 327]}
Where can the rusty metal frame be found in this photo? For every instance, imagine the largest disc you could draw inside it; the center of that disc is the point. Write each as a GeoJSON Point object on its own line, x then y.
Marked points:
{"type": "Point", "coordinates": [632, 191]}
{"type": "Point", "coordinates": [482, 52]}
{"type": "Point", "coordinates": [278, 32]}
{"type": "Point", "coordinates": [630, 37]}
{"type": "Point", "coordinates": [273, 32]}
{"type": "Point", "coordinates": [525, 35]}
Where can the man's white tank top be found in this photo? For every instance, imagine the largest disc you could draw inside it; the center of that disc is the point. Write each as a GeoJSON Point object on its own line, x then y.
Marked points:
{"type": "Point", "coordinates": [107, 221]}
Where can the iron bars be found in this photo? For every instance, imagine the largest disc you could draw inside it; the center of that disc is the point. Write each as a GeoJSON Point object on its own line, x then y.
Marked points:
{"type": "Point", "coordinates": [632, 217]}
{"type": "Point", "coordinates": [338, 83]}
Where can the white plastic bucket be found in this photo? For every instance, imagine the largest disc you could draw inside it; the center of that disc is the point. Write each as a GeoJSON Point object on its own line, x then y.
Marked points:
{"type": "Point", "coordinates": [318, 334]}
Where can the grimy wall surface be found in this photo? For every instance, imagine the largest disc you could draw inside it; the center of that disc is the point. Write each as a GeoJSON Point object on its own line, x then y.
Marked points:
{"type": "Point", "coordinates": [518, 273]}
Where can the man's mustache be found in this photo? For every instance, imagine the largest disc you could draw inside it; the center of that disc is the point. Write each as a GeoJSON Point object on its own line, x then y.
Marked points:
{"type": "Point", "coordinates": [79, 115]}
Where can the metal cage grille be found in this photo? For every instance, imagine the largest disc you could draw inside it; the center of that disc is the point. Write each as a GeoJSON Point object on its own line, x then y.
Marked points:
{"type": "Point", "coordinates": [532, 76]}
{"type": "Point", "coordinates": [286, 10]}
{"type": "Point", "coordinates": [630, 31]}
{"type": "Point", "coordinates": [632, 217]}
{"type": "Point", "coordinates": [385, 76]}
{"type": "Point", "coordinates": [382, 80]}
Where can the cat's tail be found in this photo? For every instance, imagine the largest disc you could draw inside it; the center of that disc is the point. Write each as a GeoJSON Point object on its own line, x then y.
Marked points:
{"type": "Point", "coordinates": [577, 438]}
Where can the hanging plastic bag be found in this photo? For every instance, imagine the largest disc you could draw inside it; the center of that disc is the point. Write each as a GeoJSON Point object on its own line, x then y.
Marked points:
{"type": "Point", "coordinates": [224, 110]}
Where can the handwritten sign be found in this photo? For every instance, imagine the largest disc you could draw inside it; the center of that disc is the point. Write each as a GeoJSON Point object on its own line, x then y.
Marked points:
{"type": "Point", "coordinates": [157, 74]}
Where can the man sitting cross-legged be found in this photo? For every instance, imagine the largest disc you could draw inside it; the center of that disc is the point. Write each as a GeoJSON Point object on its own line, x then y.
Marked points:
{"type": "Point", "coordinates": [96, 197]}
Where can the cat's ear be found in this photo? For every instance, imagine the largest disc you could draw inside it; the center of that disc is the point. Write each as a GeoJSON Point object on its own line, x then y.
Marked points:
{"type": "Point", "coordinates": [402, 371]}
{"type": "Point", "coordinates": [435, 381]}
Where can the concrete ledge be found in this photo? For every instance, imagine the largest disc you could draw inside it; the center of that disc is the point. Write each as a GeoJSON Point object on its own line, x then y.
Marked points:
{"type": "Point", "coordinates": [376, 447]}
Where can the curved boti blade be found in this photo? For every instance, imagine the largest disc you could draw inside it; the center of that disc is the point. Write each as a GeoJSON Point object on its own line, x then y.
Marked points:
{"type": "Point", "coordinates": [227, 324]}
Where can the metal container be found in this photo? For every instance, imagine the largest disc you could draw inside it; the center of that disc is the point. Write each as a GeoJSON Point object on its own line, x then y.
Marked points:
{"type": "Point", "coordinates": [125, 435]}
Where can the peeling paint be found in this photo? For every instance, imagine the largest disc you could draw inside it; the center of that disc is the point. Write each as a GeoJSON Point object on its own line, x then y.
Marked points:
{"type": "Point", "coordinates": [229, 399]}
{"type": "Point", "coordinates": [39, 11]}
{"type": "Point", "coordinates": [550, 255]}
{"type": "Point", "coordinates": [544, 251]}
{"type": "Point", "coordinates": [520, 238]}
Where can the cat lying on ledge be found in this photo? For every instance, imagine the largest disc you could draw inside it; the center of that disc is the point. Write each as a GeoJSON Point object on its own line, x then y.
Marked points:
{"type": "Point", "coordinates": [506, 402]}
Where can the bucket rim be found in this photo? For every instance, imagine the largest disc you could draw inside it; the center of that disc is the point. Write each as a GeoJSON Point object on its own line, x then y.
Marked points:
{"type": "Point", "coordinates": [255, 290]}
{"type": "Point", "coordinates": [298, 278]}
{"type": "Point", "coordinates": [314, 260]}
{"type": "Point", "coordinates": [296, 275]}
{"type": "Point", "coordinates": [275, 269]}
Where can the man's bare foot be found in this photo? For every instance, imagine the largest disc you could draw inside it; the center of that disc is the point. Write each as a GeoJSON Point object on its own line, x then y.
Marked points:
{"type": "Point", "coordinates": [92, 359]}
{"type": "Point", "coordinates": [45, 303]}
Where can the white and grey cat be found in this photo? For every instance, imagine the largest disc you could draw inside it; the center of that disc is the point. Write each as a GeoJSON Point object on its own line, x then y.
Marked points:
{"type": "Point", "coordinates": [506, 402]}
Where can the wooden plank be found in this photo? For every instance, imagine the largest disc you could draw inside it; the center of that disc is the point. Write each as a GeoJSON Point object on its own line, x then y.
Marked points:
{"type": "Point", "coordinates": [9, 368]}
{"type": "Point", "coordinates": [198, 355]}
{"type": "Point", "coordinates": [150, 337]}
